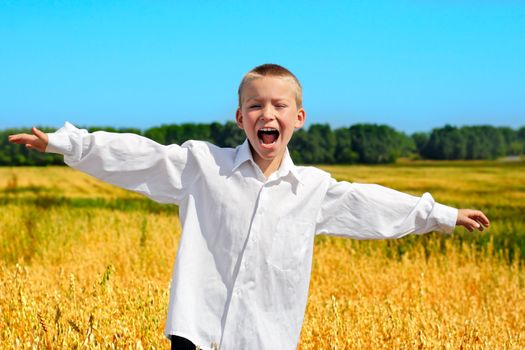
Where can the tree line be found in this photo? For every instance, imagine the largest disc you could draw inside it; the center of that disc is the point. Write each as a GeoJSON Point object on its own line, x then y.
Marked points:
{"type": "Point", "coordinates": [320, 144]}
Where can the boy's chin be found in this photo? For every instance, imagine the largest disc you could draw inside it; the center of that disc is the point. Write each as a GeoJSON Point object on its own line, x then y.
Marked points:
{"type": "Point", "coordinates": [270, 156]}
{"type": "Point", "coordinates": [272, 147]}
{"type": "Point", "coordinates": [266, 153]}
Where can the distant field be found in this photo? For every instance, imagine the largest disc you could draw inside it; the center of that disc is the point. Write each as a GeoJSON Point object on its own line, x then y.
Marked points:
{"type": "Point", "coordinates": [86, 264]}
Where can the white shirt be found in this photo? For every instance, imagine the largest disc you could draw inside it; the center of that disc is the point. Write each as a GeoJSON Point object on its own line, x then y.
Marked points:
{"type": "Point", "coordinates": [243, 265]}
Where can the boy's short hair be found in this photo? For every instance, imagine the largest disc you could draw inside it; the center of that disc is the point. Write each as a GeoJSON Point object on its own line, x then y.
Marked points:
{"type": "Point", "coordinates": [272, 70]}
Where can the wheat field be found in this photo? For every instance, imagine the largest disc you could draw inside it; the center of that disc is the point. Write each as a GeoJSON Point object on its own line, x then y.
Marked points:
{"type": "Point", "coordinates": [86, 265]}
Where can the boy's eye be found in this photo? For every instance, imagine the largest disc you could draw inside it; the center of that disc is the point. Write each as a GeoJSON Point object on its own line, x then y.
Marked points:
{"type": "Point", "coordinates": [254, 106]}
{"type": "Point", "coordinates": [280, 106]}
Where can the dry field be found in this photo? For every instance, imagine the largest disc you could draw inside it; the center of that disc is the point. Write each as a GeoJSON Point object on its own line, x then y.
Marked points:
{"type": "Point", "coordinates": [87, 265]}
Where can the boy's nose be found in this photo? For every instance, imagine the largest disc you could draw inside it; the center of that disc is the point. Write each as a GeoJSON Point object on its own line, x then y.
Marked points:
{"type": "Point", "coordinates": [268, 113]}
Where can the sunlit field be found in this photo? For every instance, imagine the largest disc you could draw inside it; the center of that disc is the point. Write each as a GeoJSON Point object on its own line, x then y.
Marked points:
{"type": "Point", "coordinates": [86, 265]}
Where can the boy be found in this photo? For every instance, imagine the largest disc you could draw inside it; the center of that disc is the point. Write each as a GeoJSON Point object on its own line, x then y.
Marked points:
{"type": "Point", "coordinates": [249, 215]}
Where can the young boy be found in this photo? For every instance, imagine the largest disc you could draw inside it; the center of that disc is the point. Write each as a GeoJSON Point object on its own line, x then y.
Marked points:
{"type": "Point", "coordinates": [249, 215]}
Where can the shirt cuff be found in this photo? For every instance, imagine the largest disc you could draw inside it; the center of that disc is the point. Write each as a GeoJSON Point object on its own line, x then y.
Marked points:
{"type": "Point", "coordinates": [58, 143]}
{"type": "Point", "coordinates": [446, 217]}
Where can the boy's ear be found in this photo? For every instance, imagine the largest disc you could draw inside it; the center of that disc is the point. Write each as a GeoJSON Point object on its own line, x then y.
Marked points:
{"type": "Point", "coordinates": [301, 118]}
{"type": "Point", "coordinates": [238, 118]}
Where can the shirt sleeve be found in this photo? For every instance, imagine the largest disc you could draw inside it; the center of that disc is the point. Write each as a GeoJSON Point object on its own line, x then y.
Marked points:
{"type": "Point", "coordinates": [366, 211]}
{"type": "Point", "coordinates": [130, 161]}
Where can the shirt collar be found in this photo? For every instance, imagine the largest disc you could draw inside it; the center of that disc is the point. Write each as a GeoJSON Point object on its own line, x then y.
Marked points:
{"type": "Point", "coordinates": [242, 155]}
{"type": "Point", "coordinates": [287, 166]}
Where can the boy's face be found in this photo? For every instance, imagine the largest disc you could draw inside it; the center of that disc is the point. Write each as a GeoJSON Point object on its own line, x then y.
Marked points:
{"type": "Point", "coordinates": [268, 115]}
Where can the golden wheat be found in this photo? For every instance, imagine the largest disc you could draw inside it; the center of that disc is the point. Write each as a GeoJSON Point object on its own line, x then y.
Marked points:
{"type": "Point", "coordinates": [84, 264]}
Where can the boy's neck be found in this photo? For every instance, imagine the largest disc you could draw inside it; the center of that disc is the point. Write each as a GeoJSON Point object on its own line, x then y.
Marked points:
{"type": "Point", "coordinates": [267, 166]}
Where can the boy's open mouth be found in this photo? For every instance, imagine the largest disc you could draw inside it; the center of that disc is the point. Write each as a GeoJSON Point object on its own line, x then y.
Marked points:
{"type": "Point", "coordinates": [268, 135]}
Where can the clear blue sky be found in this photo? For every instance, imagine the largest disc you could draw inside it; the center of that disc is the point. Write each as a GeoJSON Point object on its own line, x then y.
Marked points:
{"type": "Point", "coordinates": [413, 65]}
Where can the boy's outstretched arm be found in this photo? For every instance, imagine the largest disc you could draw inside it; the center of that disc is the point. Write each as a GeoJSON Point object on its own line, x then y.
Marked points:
{"type": "Point", "coordinates": [367, 211]}
{"type": "Point", "coordinates": [163, 173]}
{"type": "Point", "coordinates": [472, 219]}
{"type": "Point", "coordinates": [36, 141]}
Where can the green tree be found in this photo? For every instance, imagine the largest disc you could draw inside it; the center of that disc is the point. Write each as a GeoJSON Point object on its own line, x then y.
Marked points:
{"type": "Point", "coordinates": [483, 142]}
{"type": "Point", "coordinates": [421, 141]}
{"type": "Point", "coordinates": [301, 149]}
{"type": "Point", "coordinates": [158, 134]}
{"type": "Point", "coordinates": [520, 138]}
{"type": "Point", "coordinates": [322, 144]}
{"type": "Point", "coordinates": [374, 143]}
{"type": "Point", "coordinates": [231, 135]}
{"type": "Point", "coordinates": [344, 154]}
{"type": "Point", "coordinates": [446, 143]}
{"type": "Point", "coordinates": [406, 145]}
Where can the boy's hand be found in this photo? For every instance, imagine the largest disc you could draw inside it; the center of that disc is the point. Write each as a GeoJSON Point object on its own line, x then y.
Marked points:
{"type": "Point", "coordinates": [472, 219]}
{"type": "Point", "coordinates": [36, 141]}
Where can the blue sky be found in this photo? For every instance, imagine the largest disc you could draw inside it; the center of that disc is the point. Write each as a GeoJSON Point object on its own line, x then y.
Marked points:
{"type": "Point", "coordinates": [414, 65]}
